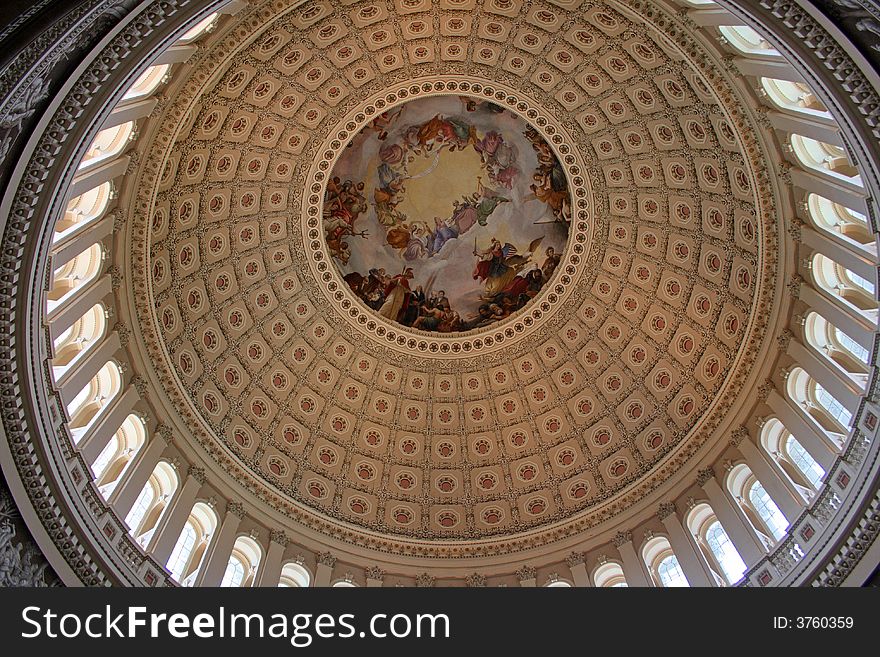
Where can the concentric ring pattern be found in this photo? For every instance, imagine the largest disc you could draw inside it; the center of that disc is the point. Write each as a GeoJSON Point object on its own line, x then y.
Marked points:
{"type": "Point", "coordinates": [562, 413]}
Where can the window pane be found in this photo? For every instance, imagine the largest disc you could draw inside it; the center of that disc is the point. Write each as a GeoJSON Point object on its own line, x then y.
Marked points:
{"type": "Point", "coordinates": [725, 552]}
{"type": "Point", "coordinates": [767, 509]}
{"type": "Point", "coordinates": [834, 407]}
{"type": "Point", "coordinates": [670, 573]}
{"type": "Point", "coordinates": [808, 466]}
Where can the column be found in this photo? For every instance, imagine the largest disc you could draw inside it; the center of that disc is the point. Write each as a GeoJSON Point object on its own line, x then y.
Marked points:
{"type": "Point", "coordinates": [856, 326]}
{"type": "Point", "coordinates": [100, 173]}
{"type": "Point", "coordinates": [807, 434]}
{"type": "Point", "coordinates": [527, 576]}
{"type": "Point", "coordinates": [778, 69]}
{"type": "Point", "coordinates": [217, 558]}
{"type": "Point", "coordinates": [99, 433]}
{"type": "Point", "coordinates": [81, 240]}
{"type": "Point", "coordinates": [780, 491]}
{"type": "Point", "coordinates": [130, 110]}
{"type": "Point", "coordinates": [820, 128]}
{"type": "Point", "coordinates": [168, 530]}
{"type": "Point", "coordinates": [715, 16]}
{"type": "Point", "coordinates": [743, 536]}
{"type": "Point", "coordinates": [176, 54]}
{"type": "Point", "coordinates": [133, 479]}
{"type": "Point", "coordinates": [839, 190]}
{"type": "Point", "coordinates": [633, 568]}
{"type": "Point", "coordinates": [375, 576]}
{"type": "Point", "coordinates": [324, 569]}
{"type": "Point", "coordinates": [62, 317]}
{"type": "Point", "coordinates": [820, 241]}
{"type": "Point", "coordinates": [269, 573]}
{"type": "Point", "coordinates": [578, 568]}
{"type": "Point", "coordinates": [78, 376]}
{"type": "Point", "coordinates": [692, 564]}
{"type": "Point", "coordinates": [846, 392]}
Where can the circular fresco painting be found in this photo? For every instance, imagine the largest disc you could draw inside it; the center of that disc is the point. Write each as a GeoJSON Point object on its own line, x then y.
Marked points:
{"type": "Point", "coordinates": [447, 214]}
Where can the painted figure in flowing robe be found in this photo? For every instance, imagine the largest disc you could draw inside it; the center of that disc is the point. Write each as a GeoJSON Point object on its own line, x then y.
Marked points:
{"type": "Point", "coordinates": [397, 295]}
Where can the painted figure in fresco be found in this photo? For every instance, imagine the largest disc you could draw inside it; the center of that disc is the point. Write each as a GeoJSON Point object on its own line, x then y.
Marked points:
{"type": "Point", "coordinates": [444, 230]}
{"type": "Point", "coordinates": [417, 245]}
{"type": "Point", "coordinates": [499, 265]}
{"type": "Point", "coordinates": [382, 122]}
{"type": "Point", "coordinates": [472, 105]}
{"type": "Point", "coordinates": [551, 261]}
{"type": "Point", "coordinates": [445, 132]}
{"type": "Point", "coordinates": [343, 204]}
{"type": "Point", "coordinates": [397, 296]}
{"type": "Point", "coordinates": [476, 208]}
{"type": "Point", "coordinates": [499, 158]}
{"type": "Point", "coordinates": [550, 185]}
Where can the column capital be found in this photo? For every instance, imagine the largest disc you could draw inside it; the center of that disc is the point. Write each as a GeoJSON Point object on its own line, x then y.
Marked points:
{"type": "Point", "coordinates": [737, 435]}
{"type": "Point", "coordinates": [575, 558]}
{"type": "Point", "coordinates": [620, 538]}
{"type": "Point", "coordinates": [765, 389]}
{"type": "Point", "coordinates": [705, 475]}
{"type": "Point", "coordinates": [794, 285]}
{"type": "Point", "coordinates": [198, 474]}
{"type": "Point", "coordinates": [140, 384]}
{"type": "Point", "coordinates": [665, 510]}
{"type": "Point", "coordinates": [326, 559]}
{"type": "Point", "coordinates": [279, 537]}
{"type": "Point", "coordinates": [526, 572]}
{"type": "Point", "coordinates": [475, 580]}
{"type": "Point", "coordinates": [236, 508]}
{"type": "Point", "coordinates": [164, 432]}
{"type": "Point", "coordinates": [376, 573]}
{"type": "Point", "coordinates": [425, 581]}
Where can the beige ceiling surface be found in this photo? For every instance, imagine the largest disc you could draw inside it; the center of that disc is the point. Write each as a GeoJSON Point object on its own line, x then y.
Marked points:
{"type": "Point", "coordinates": [560, 415]}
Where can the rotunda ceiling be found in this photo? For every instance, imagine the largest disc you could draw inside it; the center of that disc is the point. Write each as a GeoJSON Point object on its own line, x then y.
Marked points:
{"type": "Point", "coordinates": [453, 145]}
{"type": "Point", "coordinates": [418, 185]}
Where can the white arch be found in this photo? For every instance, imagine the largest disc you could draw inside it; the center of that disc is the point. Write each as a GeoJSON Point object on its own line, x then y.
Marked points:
{"type": "Point", "coordinates": [294, 575]}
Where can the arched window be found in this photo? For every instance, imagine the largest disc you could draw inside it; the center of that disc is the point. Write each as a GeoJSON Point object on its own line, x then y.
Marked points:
{"type": "Point", "coordinates": [192, 544]}
{"type": "Point", "coordinates": [199, 29]}
{"type": "Point", "coordinates": [794, 461]}
{"type": "Point", "coordinates": [756, 504]}
{"type": "Point", "coordinates": [107, 143]}
{"type": "Point", "coordinates": [294, 575]}
{"type": "Point", "coordinates": [836, 347]}
{"type": "Point", "coordinates": [74, 275]}
{"type": "Point", "coordinates": [118, 454]}
{"type": "Point", "coordinates": [843, 223]}
{"type": "Point", "coordinates": [811, 470]}
{"type": "Point", "coordinates": [609, 575]}
{"type": "Point", "coordinates": [91, 401]}
{"type": "Point", "coordinates": [770, 514]}
{"type": "Point", "coordinates": [241, 570]}
{"type": "Point", "coordinates": [148, 82]}
{"type": "Point", "coordinates": [234, 575]}
{"type": "Point", "coordinates": [144, 516]}
{"type": "Point", "coordinates": [747, 40]}
{"type": "Point", "coordinates": [823, 410]}
{"type": "Point", "coordinates": [722, 547]}
{"type": "Point", "coordinates": [83, 210]}
{"type": "Point", "coordinates": [345, 582]}
{"type": "Point", "coordinates": [851, 291]}
{"type": "Point", "coordinates": [75, 342]}
{"type": "Point", "coordinates": [715, 545]}
{"type": "Point", "coordinates": [794, 96]}
{"type": "Point", "coordinates": [825, 158]}
{"type": "Point", "coordinates": [662, 563]}
{"type": "Point", "coordinates": [557, 582]}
